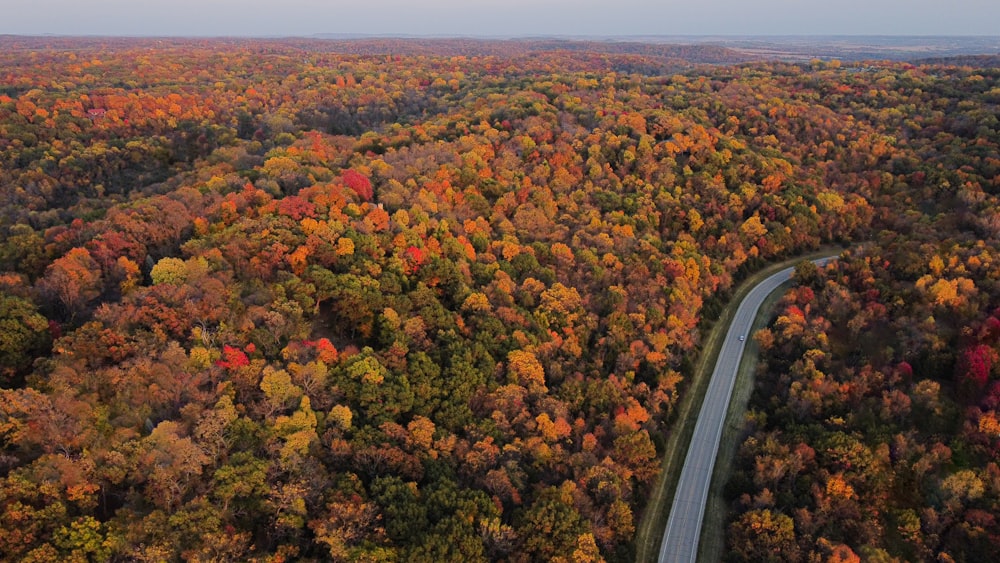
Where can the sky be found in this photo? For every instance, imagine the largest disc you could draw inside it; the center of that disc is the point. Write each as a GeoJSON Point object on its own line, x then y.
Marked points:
{"type": "Point", "coordinates": [499, 18]}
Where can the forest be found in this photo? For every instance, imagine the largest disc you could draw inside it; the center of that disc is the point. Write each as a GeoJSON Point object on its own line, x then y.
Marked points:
{"type": "Point", "coordinates": [403, 301]}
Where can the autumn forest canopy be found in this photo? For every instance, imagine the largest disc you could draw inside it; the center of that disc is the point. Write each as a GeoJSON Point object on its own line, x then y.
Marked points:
{"type": "Point", "coordinates": [393, 301]}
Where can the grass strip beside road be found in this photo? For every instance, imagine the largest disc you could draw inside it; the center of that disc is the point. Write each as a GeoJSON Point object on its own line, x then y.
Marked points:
{"type": "Point", "coordinates": [654, 517]}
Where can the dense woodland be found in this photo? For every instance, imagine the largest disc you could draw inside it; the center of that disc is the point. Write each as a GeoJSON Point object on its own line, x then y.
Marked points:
{"type": "Point", "coordinates": [275, 301]}
{"type": "Point", "coordinates": [875, 428]}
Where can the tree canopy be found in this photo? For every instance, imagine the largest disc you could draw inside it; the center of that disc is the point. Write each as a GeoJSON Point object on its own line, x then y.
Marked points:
{"type": "Point", "coordinates": [275, 300]}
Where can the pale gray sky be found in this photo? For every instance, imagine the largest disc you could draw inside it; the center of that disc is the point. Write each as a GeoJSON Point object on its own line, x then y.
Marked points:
{"type": "Point", "coordinates": [501, 17]}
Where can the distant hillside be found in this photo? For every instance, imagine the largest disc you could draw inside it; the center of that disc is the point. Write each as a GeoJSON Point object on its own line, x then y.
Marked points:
{"type": "Point", "coordinates": [710, 54]}
{"type": "Point", "coordinates": [983, 61]}
{"type": "Point", "coordinates": [855, 48]}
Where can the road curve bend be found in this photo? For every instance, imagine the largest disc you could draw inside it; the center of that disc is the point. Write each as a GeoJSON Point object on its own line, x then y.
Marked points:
{"type": "Point", "coordinates": [680, 539]}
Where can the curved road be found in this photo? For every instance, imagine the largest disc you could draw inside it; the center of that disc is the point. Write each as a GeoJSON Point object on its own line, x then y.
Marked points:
{"type": "Point", "coordinates": [680, 539]}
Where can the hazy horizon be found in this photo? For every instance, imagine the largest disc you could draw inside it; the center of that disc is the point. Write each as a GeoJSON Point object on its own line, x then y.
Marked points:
{"type": "Point", "coordinates": [501, 37]}
{"type": "Point", "coordinates": [501, 19]}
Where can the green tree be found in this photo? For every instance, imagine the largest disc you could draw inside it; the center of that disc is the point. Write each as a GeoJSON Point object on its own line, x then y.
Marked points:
{"type": "Point", "coordinates": [382, 395]}
{"type": "Point", "coordinates": [405, 515]}
{"type": "Point", "coordinates": [763, 535]}
{"type": "Point", "coordinates": [552, 526]}
{"type": "Point", "coordinates": [83, 540]}
{"type": "Point", "coordinates": [23, 335]}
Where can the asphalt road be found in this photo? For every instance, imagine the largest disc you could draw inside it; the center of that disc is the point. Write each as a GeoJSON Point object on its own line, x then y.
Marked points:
{"type": "Point", "coordinates": [680, 539]}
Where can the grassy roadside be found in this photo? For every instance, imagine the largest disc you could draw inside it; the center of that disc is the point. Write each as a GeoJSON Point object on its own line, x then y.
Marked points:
{"type": "Point", "coordinates": [654, 518]}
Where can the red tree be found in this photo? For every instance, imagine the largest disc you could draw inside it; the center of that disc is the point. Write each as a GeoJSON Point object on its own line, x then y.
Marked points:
{"type": "Point", "coordinates": [360, 184]}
